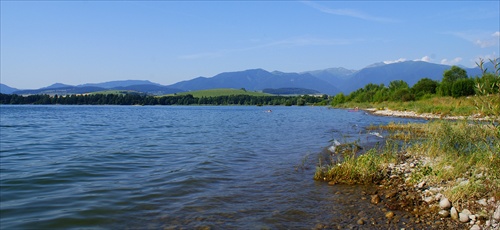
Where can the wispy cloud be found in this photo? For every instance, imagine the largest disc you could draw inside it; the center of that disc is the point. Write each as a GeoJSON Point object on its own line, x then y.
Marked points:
{"type": "Point", "coordinates": [481, 39]}
{"type": "Point", "coordinates": [347, 12]}
{"type": "Point", "coordinates": [290, 42]}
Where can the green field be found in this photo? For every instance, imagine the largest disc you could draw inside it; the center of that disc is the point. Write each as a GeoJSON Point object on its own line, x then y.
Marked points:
{"type": "Point", "coordinates": [222, 92]}
{"type": "Point", "coordinates": [119, 92]}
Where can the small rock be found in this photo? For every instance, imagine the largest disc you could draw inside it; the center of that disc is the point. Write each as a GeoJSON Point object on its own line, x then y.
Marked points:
{"type": "Point", "coordinates": [428, 199]}
{"type": "Point", "coordinates": [463, 218]}
{"type": "Point", "coordinates": [475, 227]}
{"type": "Point", "coordinates": [454, 213]}
{"type": "Point", "coordinates": [439, 196]}
{"type": "Point", "coordinates": [496, 214]}
{"type": "Point", "coordinates": [487, 223]}
{"type": "Point", "coordinates": [472, 217]}
{"type": "Point", "coordinates": [331, 182]}
{"type": "Point", "coordinates": [360, 222]}
{"type": "Point", "coordinates": [391, 194]}
{"type": "Point", "coordinates": [444, 203]}
{"type": "Point", "coordinates": [389, 214]}
{"type": "Point", "coordinates": [421, 184]}
{"type": "Point", "coordinates": [482, 202]}
{"type": "Point", "coordinates": [466, 212]}
{"type": "Point", "coordinates": [444, 213]}
{"type": "Point", "coordinates": [375, 199]}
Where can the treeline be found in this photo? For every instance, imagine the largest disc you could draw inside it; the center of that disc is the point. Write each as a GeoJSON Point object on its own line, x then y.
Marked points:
{"type": "Point", "coordinates": [455, 83]}
{"type": "Point", "coordinates": [134, 99]}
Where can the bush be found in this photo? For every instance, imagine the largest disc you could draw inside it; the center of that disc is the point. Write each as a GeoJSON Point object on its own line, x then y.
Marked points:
{"type": "Point", "coordinates": [462, 87]}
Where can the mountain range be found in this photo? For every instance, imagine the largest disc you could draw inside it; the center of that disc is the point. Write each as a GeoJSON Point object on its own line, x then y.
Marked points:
{"type": "Point", "coordinates": [327, 81]}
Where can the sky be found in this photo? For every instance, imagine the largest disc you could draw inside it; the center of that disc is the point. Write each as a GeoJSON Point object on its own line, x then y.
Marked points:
{"type": "Point", "coordinates": [78, 42]}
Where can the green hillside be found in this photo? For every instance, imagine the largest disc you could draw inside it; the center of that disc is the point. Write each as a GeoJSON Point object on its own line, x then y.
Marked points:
{"type": "Point", "coordinates": [119, 92]}
{"type": "Point", "coordinates": [222, 92]}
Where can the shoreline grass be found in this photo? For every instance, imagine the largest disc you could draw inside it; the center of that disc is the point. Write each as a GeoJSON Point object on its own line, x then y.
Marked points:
{"type": "Point", "coordinates": [461, 157]}
{"type": "Point", "coordinates": [486, 105]}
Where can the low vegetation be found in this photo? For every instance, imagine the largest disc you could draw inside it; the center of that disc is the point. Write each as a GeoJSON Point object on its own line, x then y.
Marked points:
{"type": "Point", "coordinates": [463, 157]}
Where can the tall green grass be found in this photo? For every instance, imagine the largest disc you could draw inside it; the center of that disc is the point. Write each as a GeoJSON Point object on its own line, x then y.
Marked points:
{"type": "Point", "coordinates": [462, 157]}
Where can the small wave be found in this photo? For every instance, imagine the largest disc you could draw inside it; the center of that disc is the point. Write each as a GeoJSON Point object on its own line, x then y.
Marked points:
{"type": "Point", "coordinates": [376, 134]}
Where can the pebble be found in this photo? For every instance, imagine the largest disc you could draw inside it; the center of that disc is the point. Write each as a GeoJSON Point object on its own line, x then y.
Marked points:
{"type": "Point", "coordinates": [375, 199]}
{"type": "Point", "coordinates": [439, 196]}
{"type": "Point", "coordinates": [444, 203]}
{"type": "Point", "coordinates": [466, 212]}
{"type": "Point", "coordinates": [463, 218]}
{"type": "Point", "coordinates": [444, 213]}
{"type": "Point", "coordinates": [496, 214]}
{"type": "Point", "coordinates": [454, 213]}
{"type": "Point", "coordinates": [428, 199]}
{"type": "Point", "coordinates": [389, 214]}
{"type": "Point", "coordinates": [391, 194]}
{"type": "Point", "coordinates": [361, 222]}
{"type": "Point", "coordinates": [475, 227]}
{"type": "Point", "coordinates": [482, 202]}
{"type": "Point", "coordinates": [421, 184]}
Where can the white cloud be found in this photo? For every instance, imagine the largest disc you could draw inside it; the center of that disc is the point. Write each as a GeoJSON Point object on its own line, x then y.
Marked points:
{"type": "Point", "coordinates": [395, 61]}
{"type": "Point", "coordinates": [451, 62]}
{"type": "Point", "coordinates": [424, 58]}
{"type": "Point", "coordinates": [496, 34]}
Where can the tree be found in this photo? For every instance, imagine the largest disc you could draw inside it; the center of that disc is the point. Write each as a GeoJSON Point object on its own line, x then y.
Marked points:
{"type": "Point", "coordinates": [397, 84]}
{"type": "Point", "coordinates": [449, 77]}
{"type": "Point", "coordinates": [424, 86]}
{"type": "Point", "coordinates": [454, 74]}
{"type": "Point", "coordinates": [338, 99]}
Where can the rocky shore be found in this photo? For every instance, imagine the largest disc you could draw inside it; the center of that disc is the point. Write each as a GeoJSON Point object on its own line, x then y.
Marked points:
{"type": "Point", "coordinates": [425, 200]}
{"type": "Point", "coordinates": [427, 204]}
{"type": "Point", "coordinates": [427, 116]}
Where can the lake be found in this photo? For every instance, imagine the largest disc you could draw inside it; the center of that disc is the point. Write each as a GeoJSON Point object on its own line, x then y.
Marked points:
{"type": "Point", "coordinates": [119, 167]}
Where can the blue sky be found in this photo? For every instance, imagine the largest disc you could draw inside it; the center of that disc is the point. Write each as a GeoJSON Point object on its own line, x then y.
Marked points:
{"type": "Point", "coordinates": [77, 42]}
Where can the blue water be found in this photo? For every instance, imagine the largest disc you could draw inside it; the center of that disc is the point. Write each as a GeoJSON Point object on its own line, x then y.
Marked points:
{"type": "Point", "coordinates": [118, 167]}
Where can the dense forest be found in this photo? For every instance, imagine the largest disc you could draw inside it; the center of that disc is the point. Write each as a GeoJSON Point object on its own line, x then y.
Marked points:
{"type": "Point", "coordinates": [135, 99]}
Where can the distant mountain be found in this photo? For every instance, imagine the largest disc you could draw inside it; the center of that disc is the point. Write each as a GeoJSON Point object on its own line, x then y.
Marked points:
{"type": "Point", "coordinates": [151, 89]}
{"type": "Point", "coordinates": [328, 81]}
{"type": "Point", "coordinates": [125, 83]}
{"type": "Point", "coordinates": [258, 79]}
{"type": "Point", "coordinates": [5, 89]}
{"type": "Point", "coordinates": [57, 85]}
{"type": "Point", "coordinates": [60, 91]}
{"type": "Point", "coordinates": [63, 89]}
